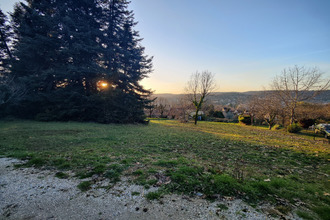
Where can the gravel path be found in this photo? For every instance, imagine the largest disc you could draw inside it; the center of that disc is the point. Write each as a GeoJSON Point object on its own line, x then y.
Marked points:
{"type": "Point", "coordinates": [28, 193]}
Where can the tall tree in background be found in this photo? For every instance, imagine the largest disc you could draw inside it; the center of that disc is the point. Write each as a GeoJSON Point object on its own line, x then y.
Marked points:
{"type": "Point", "coordinates": [199, 87]}
{"type": "Point", "coordinates": [125, 61]}
{"type": "Point", "coordinates": [5, 40]}
{"type": "Point", "coordinates": [10, 91]}
{"type": "Point", "coordinates": [66, 49]}
{"type": "Point", "coordinates": [36, 45]}
{"type": "Point", "coordinates": [269, 108]}
{"type": "Point", "coordinates": [57, 42]}
{"type": "Point", "coordinates": [298, 84]}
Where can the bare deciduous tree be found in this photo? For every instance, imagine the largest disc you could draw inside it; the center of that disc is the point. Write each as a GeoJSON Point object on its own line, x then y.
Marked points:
{"type": "Point", "coordinates": [266, 108]}
{"type": "Point", "coordinates": [270, 108]}
{"type": "Point", "coordinates": [162, 105]}
{"type": "Point", "coordinates": [183, 107]}
{"type": "Point", "coordinates": [198, 88]}
{"type": "Point", "coordinates": [253, 107]}
{"type": "Point", "coordinates": [150, 107]}
{"type": "Point", "coordinates": [298, 84]}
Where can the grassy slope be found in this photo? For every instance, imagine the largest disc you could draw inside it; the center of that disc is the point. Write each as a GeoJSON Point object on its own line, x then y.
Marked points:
{"type": "Point", "coordinates": [212, 158]}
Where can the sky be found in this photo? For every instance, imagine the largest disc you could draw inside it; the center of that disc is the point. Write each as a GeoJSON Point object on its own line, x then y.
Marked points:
{"type": "Point", "coordinates": [245, 43]}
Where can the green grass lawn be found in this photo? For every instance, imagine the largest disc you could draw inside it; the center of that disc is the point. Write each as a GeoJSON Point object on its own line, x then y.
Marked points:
{"type": "Point", "coordinates": [251, 163]}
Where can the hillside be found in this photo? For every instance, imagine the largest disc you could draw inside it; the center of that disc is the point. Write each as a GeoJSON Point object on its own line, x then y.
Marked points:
{"type": "Point", "coordinates": [235, 98]}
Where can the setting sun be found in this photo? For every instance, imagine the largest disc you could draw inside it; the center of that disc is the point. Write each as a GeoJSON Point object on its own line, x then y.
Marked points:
{"type": "Point", "coordinates": [101, 85]}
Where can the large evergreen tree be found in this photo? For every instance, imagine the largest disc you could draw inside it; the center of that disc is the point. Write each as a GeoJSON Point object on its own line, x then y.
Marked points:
{"type": "Point", "coordinates": [65, 48]}
{"type": "Point", "coordinates": [10, 91]}
{"type": "Point", "coordinates": [125, 61]}
{"type": "Point", "coordinates": [5, 40]}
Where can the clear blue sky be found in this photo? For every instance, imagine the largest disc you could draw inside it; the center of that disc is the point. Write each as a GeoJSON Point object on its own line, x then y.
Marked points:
{"type": "Point", "coordinates": [244, 42]}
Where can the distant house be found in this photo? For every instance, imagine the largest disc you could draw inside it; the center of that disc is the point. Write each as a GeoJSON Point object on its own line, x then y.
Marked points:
{"type": "Point", "coordinates": [228, 113]}
{"type": "Point", "coordinates": [200, 113]}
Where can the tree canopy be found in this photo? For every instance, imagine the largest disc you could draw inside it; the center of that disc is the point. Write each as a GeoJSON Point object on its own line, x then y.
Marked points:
{"type": "Point", "coordinates": [78, 60]}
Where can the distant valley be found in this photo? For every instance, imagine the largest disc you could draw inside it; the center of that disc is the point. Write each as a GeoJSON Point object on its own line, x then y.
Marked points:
{"type": "Point", "coordinates": [235, 98]}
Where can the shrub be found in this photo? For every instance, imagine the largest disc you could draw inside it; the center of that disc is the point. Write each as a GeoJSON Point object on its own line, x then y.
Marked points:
{"type": "Point", "coordinates": [216, 114]}
{"type": "Point", "coordinates": [276, 127]}
{"type": "Point", "coordinates": [305, 123]}
{"type": "Point", "coordinates": [294, 128]}
{"type": "Point", "coordinates": [244, 119]}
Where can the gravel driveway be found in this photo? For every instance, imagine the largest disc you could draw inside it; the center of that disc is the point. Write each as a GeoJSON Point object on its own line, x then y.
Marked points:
{"type": "Point", "coordinates": [28, 193]}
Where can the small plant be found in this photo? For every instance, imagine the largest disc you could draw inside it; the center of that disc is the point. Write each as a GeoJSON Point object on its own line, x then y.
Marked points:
{"type": "Point", "coordinates": [61, 175]}
{"type": "Point", "coordinates": [152, 182]}
{"type": "Point", "coordinates": [64, 166]}
{"type": "Point", "coordinates": [222, 206]}
{"type": "Point", "coordinates": [114, 172]}
{"type": "Point", "coordinates": [138, 172]}
{"type": "Point", "coordinates": [21, 155]}
{"type": "Point", "coordinates": [99, 169]}
{"type": "Point", "coordinates": [83, 174]}
{"type": "Point", "coordinates": [152, 171]}
{"type": "Point", "coordinates": [153, 195]}
{"type": "Point", "coordinates": [225, 184]}
{"type": "Point", "coordinates": [135, 193]}
{"type": "Point", "coordinates": [141, 180]}
{"type": "Point", "coordinates": [294, 128]}
{"type": "Point", "coordinates": [37, 162]}
{"type": "Point", "coordinates": [84, 186]}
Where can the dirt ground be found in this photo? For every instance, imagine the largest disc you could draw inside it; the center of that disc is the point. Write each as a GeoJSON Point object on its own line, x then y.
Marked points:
{"type": "Point", "coordinates": [28, 193]}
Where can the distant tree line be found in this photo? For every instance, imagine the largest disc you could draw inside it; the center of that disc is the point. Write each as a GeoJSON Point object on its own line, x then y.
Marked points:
{"type": "Point", "coordinates": [287, 101]}
{"type": "Point", "coordinates": [72, 60]}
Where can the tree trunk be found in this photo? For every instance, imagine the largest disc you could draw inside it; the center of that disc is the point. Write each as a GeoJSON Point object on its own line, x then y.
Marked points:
{"type": "Point", "coordinates": [292, 116]}
{"type": "Point", "coordinates": [196, 116]}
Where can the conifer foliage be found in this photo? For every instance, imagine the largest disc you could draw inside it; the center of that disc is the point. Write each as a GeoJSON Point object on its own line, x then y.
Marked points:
{"type": "Point", "coordinates": [79, 60]}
